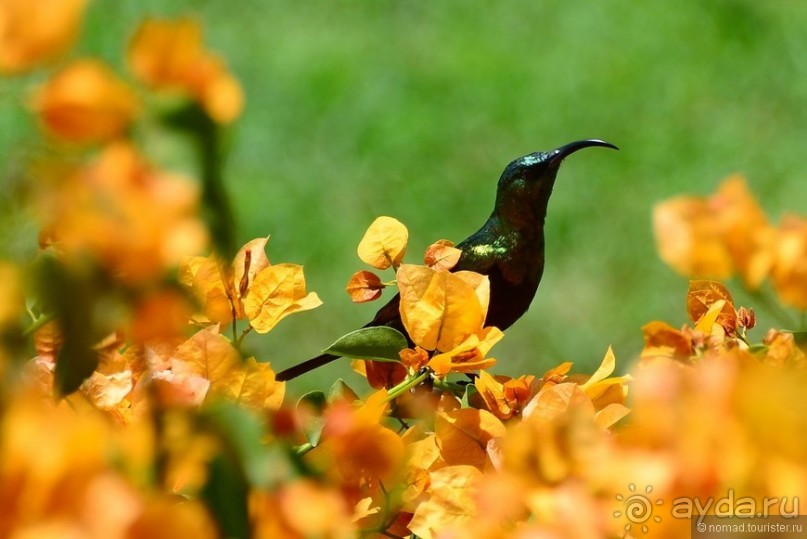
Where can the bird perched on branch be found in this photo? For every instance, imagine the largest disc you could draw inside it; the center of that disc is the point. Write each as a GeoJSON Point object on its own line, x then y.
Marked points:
{"type": "Point", "coordinates": [509, 248]}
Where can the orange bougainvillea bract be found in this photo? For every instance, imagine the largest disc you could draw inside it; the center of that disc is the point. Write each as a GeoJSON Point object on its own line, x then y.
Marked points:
{"type": "Point", "coordinates": [85, 102]}
{"type": "Point", "coordinates": [170, 55]}
{"type": "Point", "coordinates": [34, 31]}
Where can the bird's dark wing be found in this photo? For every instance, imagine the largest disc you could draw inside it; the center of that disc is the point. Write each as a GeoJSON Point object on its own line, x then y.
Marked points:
{"type": "Point", "coordinates": [388, 315]}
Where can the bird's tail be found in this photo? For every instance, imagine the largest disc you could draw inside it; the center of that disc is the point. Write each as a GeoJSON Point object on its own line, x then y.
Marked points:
{"type": "Point", "coordinates": [305, 366]}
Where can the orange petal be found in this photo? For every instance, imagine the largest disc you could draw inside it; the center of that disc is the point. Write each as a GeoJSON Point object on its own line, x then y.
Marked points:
{"type": "Point", "coordinates": [86, 102]}
{"type": "Point", "coordinates": [689, 240]}
{"type": "Point", "coordinates": [364, 286]}
{"type": "Point", "coordinates": [442, 255]}
{"type": "Point", "coordinates": [276, 292]}
{"type": "Point", "coordinates": [703, 295]}
{"type": "Point", "coordinates": [463, 435]}
{"type": "Point", "coordinates": [439, 309]}
{"type": "Point", "coordinates": [33, 31]}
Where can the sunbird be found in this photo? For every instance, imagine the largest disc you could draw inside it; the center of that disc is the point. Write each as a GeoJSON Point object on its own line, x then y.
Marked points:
{"type": "Point", "coordinates": [509, 248]}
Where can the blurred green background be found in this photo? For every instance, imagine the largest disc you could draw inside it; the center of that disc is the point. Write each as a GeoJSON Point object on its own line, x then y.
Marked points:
{"type": "Point", "coordinates": [412, 109]}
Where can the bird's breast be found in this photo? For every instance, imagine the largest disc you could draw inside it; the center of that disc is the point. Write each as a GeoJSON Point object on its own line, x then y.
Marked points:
{"type": "Point", "coordinates": [513, 262]}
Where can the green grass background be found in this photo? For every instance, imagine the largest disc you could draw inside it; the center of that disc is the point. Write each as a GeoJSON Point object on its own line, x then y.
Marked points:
{"type": "Point", "coordinates": [357, 109]}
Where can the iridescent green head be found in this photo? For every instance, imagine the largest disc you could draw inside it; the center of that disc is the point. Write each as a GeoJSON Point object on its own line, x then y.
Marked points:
{"type": "Point", "coordinates": [526, 183]}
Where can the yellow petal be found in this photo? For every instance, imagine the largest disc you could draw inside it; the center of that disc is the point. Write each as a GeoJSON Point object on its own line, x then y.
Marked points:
{"type": "Point", "coordinates": [605, 369]}
{"type": "Point", "coordinates": [251, 384]}
{"type": "Point", "coordinates": [469, 355]}
{"type": "Point", "coordinates": [555, 401]}
{"type": "Point", "coordinates": [702, 296]}
{"type": "Point", "coordinates": [463, 435]}
{"type": "Point", "coordinates": [609, 415]}
{"type": "Point", "coordinates": [249, 260]}
{"type": "Point", "coordinates": [208, 354]}
{"type": "Point", "coordinates": [492, 392]}
{"type": "Point", "coordinates": [276, 292]}
{"type": "Point", "coordinates": [204, 275]}
{"type": "Point", "coordinates": [439, 310]}
{"type": "Point", "coordinates": [384, 243]}
{"type": "Point", "coordinates": [451, 502]}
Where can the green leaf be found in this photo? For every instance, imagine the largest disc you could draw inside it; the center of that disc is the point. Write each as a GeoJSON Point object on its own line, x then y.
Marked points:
{"type": "Point", "coordinates": [318, 402]}
{"type": "Point", "coordinates": [242, 432]}
{"type": "Point", "coordinates": [757, 348]}
{"type": "Point", "coordinates": [341, 391]}
{"type": "Point", "coordinates": [380, 343]}
{"type": "Point", "coordinates": [225, 494]}
{"type": "Point", "coordinates": [207, 139]}
{"type": "Point", "coordinates": [470, 392]}
{"type": "Point", "coordinates": [315, 399]}
{"type": "Point", "coordinates": [801, 339]}
{"type": "Point", "coordinates": [74, 296]}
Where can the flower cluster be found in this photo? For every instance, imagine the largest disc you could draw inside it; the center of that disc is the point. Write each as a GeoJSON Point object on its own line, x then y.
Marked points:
{"type": "Point", "coordinates": [728, 233]}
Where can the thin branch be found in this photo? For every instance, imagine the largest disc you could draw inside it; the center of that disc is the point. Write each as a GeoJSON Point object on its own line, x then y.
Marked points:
{"type": "Point", "coordinates": [407, 384]}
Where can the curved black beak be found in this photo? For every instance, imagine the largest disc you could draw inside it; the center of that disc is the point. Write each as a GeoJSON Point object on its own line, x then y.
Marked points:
{"type": "Point", "coordinates": [564, 151]}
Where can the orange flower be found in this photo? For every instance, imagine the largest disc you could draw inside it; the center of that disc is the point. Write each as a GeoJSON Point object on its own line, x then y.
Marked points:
{"type": "Point", "coordinates": [441, 309]}
{"type": "Point", "coordinates": [688, 239]}
{"type": "Point", "coordinates": [135, 221]}
{"type": "Point", "coordinates": [33, 31]}
{"type": "Point", "coordinates": [703, 308]}
{"type": "Point", "coordinates": [715, 237]}
{"type": "Point", "coordinates": [221, 288]}
{"type": "Point", "coordinates": [661, 340]}
{"type": "Point", "coordinates": [469, 355]}
{"type": "Point", "coordinates": [85, 102]}
{"type": "Point", "coordinates": [356, 447]}
{"type": "Point", "coordinates": [415, 358]}
{"type": "Point", "coordinates": [170, 55]}
{"type": "Point", "coordinates": [249, 288]}
{"type": "Point", "coordinates": [789, 272]}
{"type": "Point", "coordinates": [160, 314]}
{"type": "Point", "coordinates": [207, 366]}
{"type": "Point", "coordinates": [463, 436]}
{"type": "Point", "coordinates": [505, 397]}
{"type": "Point", "coordinates": [744, 229]}
{"type": "Point", "coordinates": [781, 349]}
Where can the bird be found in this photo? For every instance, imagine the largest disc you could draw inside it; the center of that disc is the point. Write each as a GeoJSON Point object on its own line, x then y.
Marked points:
{"type": "Point", "coordinates": [508, 248]}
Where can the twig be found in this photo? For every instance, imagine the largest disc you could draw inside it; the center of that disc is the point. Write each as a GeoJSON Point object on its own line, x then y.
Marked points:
{"type": "Point", "coordinates": [407, 384]}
